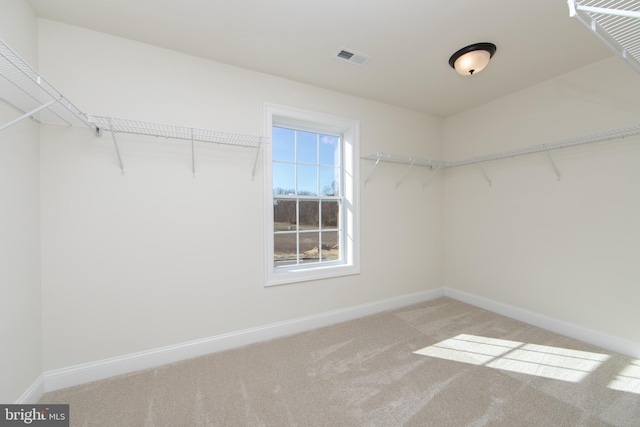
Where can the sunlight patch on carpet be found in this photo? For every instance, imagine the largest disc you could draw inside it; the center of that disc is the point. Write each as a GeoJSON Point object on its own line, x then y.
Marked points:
{"type": "Point", "coordinates": [532, 359]}
{"type": "Point", "coordinates": [628, 379]}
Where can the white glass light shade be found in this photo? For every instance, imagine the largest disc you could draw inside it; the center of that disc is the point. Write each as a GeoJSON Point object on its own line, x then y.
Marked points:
{"type": "Point", "coordinates": [473, 58]}
{"type": "Point", "coordinates": [472, 62]}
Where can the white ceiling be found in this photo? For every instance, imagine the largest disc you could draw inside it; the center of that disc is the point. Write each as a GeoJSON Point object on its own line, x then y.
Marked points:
{"type": "Point", "coordinates": [410, 41]}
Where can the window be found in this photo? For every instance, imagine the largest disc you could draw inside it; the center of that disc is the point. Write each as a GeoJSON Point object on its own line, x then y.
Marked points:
{"type": "Point", "coordinates": [307, 197]}
{"type": "Point", "coordinates": [311, 216]}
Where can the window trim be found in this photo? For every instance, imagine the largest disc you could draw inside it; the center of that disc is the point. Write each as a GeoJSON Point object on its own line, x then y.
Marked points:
{"type": "Point", "coordinates": [316, 122]}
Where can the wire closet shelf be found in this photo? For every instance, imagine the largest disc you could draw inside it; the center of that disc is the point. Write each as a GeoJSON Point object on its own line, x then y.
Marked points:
{"type": "Point", "coordinates": [22, 87]}
{"type": "Point", "coordinates": [436, 165]}
{"type": "Point", "coordinates": [163, 130]}
{"type": "Point", "coordinates": [615, 22]}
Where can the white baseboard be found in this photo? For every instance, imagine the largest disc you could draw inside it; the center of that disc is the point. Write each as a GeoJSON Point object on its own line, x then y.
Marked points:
{"type": "Point", "coordinates": [81, 374]}
{"type": "Point", "coordinates": [33, 394]}
{"type": "Point", "coordinates": [600, 339]}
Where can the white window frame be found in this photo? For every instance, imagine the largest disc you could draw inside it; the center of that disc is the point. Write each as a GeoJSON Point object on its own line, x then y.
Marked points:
{"type": "Point", "coordinates": [316, 122]}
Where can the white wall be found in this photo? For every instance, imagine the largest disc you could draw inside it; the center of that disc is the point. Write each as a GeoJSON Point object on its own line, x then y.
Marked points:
{"type": "Point", "coordinates": [566, 249]}
{"type": "Point", "coordinates": [20, 315]}
{"type": "Point", "coordinates": [154, 257]}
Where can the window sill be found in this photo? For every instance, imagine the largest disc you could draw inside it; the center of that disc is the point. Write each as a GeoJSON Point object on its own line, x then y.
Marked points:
{"type": "Point", "coordinates": [305, 274]}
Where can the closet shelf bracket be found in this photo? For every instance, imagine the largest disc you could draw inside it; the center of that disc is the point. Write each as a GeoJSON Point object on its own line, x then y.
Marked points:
{"type": "Point", "coordinates": [553, 164]}
{"type": "Point", "coordinates": [483, 173]}
{"type": "Point", "coordinates": [193, 156]}
{"type": "Point", "coordinates": [255, 164]}
{"type": "Point", "coordinates": [430, 178]}
{"type": "Point", "coordinates": [31, 114]}
{"type": "Point", "coordinates": [404, 175]}
{"type": "Point", "coordinates": [115, 144]}
{"type": "Point", "coordinates": [375, 165]}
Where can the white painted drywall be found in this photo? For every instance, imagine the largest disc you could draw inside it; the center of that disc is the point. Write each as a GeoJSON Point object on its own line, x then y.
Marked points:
{"type": "Point", "coordinates": [567, 249]}
{"type": "Point", "coordinates": [20, 315]}
{"type": "Point", "coordinates": [155, 257]}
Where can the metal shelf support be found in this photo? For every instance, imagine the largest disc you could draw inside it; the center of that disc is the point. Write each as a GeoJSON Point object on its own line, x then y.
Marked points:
{"type": "Point", "coordinates": [430, 178]}
{"type": "Point", "coordinates": [372, 170]}
{"type": "Point", "coordinates": [404, 175]}
{"type": "Point", "coordinates": [193, 156]}
{"type": "Point", "coordinates": [29, 114]}
{"type": "Point", "coordinates": [255, 164]}
{"type": "Point", "coordinates": [115, 144]}
{"type": "Point", "coordinates": [553, 164]}
{"type": "Point", "coordinates": [483, 173]}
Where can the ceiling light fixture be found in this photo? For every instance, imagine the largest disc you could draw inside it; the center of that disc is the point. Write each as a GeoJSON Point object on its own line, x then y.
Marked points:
{"type": "Point", "coordinates": [472, 59]}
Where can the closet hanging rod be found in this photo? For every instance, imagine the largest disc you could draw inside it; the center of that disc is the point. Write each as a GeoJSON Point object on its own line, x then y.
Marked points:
{"type": "Point", "coordinates": [22, 87]}
{"type": "Point", "coordinates": [164, 130]}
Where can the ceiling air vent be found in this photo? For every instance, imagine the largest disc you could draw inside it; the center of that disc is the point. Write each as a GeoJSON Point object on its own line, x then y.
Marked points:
{"type": "Point", "coordinates": [352, 56]}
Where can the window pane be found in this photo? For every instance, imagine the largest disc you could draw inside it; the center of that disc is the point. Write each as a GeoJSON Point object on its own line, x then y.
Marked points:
{"type": "Point", "coordinates": [309, 243]}
{"type": "Point", "coordinates": [283, 144]}
{"type": "Point", "coordinates": [284, 178]}
{"type": "Point", "coordinates": [284, 249]}
{"type": "Point", "coordinates": [309, 214]}
{"type": "Point", "coordinates": [329, 181]}
{"type": "Point", "coordinates": [307, 147]}
{"type": "Point", "coordinates": [330, 214]}
{"type": "Point", "coordinates": [329, 150]}
{"type": "Point", "coordinates": [307, 180]}
{"type": "Point", "coordinates": [330, 246]}
{"type": "Point", "coordinates": [284, 215]}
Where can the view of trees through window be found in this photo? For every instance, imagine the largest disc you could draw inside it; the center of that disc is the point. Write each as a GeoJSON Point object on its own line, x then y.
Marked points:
{"type": "Point", "coordinates": [306, 196]}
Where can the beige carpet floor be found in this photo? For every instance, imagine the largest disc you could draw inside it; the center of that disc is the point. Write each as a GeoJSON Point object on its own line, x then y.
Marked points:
{"type": "Point", "coordinates": [439, 363]}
